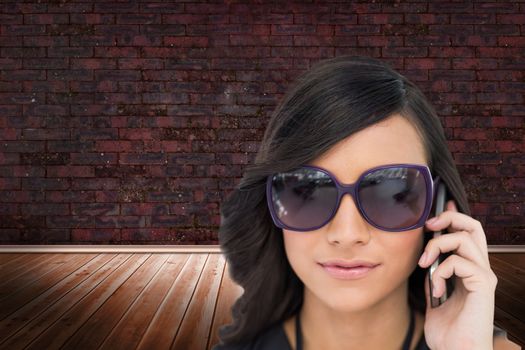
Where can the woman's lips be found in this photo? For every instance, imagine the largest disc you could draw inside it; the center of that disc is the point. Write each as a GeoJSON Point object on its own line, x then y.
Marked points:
{"type": "Point", "coordinates": [348, 273]}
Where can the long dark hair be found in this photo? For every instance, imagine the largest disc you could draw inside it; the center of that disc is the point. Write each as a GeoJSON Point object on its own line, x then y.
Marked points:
{"type": "Point", "coordinates": [334, 99]}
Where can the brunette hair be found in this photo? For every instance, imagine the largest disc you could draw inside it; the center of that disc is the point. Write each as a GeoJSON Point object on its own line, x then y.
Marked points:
{"type": "Point", "coordinates": [334, 99]}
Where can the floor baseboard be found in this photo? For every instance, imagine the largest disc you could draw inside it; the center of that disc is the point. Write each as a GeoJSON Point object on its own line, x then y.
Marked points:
{"type": "Point", "coordinates": [95, 248]}
{"type": "Point", "coordinates": [166, 248]}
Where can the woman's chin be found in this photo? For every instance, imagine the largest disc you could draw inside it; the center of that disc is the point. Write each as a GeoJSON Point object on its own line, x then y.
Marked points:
{"type": "Point", "coordinates": [348, 302]}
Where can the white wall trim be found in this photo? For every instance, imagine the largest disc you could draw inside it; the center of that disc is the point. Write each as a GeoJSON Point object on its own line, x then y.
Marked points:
{"type": "Point", "coordinates": [136, 248]}
{"type": "Point", "coordinates": [506, 248]}
{"type": "Point", "coordinates": [113, 248]}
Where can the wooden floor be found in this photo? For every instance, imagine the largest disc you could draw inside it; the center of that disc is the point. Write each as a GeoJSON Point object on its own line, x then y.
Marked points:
{"type": "Point", "coordinates": [509, 312]}
{"type": "Point", "coordinates": [154, 301]}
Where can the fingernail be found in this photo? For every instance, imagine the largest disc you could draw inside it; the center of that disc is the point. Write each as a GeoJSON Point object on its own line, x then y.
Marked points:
{"type": "Point", "coordinates": [423, 258]}
{"type": "Point", "coordinates": [433, 220]}
{"type": "Point", "coordinates": [435, 292]}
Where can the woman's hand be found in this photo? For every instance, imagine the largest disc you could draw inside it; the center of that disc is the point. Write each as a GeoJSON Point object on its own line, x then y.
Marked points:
{"type": "Point", "coordinates": [465, 319]}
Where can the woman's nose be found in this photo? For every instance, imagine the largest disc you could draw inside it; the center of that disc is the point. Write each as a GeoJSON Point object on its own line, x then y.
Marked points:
{"type": "Point", "coordinates": [348, 226]}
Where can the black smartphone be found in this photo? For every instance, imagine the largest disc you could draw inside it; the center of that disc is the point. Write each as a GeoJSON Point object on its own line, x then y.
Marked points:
{"type": "Point", "coordinates": [439, 207]}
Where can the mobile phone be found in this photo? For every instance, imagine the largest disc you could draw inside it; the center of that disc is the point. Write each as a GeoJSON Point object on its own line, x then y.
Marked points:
{"type": "Point", "coordinates": [439, 206]}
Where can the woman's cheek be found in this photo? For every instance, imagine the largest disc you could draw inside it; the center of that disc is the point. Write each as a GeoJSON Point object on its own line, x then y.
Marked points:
{"type": "Point", "coordinates": [298, 251]}
{"type": "Point", "coordinates": [409, 248]}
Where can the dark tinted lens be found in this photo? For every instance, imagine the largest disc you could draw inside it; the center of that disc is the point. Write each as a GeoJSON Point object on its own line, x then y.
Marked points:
{"type": "Point", "coordinates": [394, 197]}
{"type": "Point", "coordinates": [304, 198]}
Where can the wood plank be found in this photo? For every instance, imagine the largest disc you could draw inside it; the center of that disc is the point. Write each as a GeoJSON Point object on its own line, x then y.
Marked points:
{"type": "Point", "coordinates": [26, 259]}
{"type": "Point", "coordinates": [29, 264]}
{"type": "Point", "coordinates": [510, 290]}
{"type": "Point", "coordinates": [101, 322]}
{"type": "Point", "coordinates": [22, 317]}
{"type": "Point", "coordinates": [516, 259]}
{"type": "Point", "coordinates": [70, 321]}
{"type": "Point", "coordinates": [517, 271]}
{"type": "Point", "coordinates": [167, 320]}
{"type": "Point", "coordinates": [509, 310]}
{"type": "Point", "coordinates": [195, 328]}
{"type": "Point", "coordinates": [23, 296]}
{"type": "Point", "coordinates": [229, 291]}
{"type": "Point", "coordinates": [54, 311]}
{"type": "Point", "coordinates": [10, 258]}
{"type": "Point", "coordinates": [28, 277]}
{"type": "Point", "coordinates": [509, 303]}
{"type": "Point", "coordinates": [503, 271]}
{"type": "Point", "coordinates": [509, 284]}
{"type": "Point", "coordinates": [508, 281]}
{"type": "Point", "coordinates": [130, 329]}
{"type": "Point", "coordinates": [513, 326]}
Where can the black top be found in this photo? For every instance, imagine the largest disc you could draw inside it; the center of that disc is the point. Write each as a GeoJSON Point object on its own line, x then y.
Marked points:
{"type": "Point", "coordinates": [406, 342]}
{"type": "Point", "coordinates": [275, 338]}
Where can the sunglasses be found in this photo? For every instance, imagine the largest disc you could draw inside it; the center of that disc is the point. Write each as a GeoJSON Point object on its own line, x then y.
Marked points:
{"type": "Point", "coordinates": [394, 197]}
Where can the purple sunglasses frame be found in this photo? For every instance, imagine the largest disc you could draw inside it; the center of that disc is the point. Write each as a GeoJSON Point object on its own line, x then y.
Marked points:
{"type": "Point", "coordinates": [351, 189]}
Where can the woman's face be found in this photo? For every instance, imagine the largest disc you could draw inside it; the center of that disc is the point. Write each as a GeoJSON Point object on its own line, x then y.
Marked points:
{"type": "Point", "coordinates": [348, 235]}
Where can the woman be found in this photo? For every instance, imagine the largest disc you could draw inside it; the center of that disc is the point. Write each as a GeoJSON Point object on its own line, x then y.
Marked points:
{"type": "Point", "coordinates": [286, 232]}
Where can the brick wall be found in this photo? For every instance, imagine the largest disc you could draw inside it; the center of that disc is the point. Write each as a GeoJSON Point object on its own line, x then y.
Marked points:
{"type": "Point", "coordinates": [129, 122]}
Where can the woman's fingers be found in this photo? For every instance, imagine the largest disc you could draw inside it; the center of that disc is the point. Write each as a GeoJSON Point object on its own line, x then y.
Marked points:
{"type": "Point", "coordinates": [460, 243]}
{"type": "Point", "coordinates": [455, 221]}
{"type": "Point", "coordinates": [474, 277]}
{"type": "Point", "coordinates": [467, 240]}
